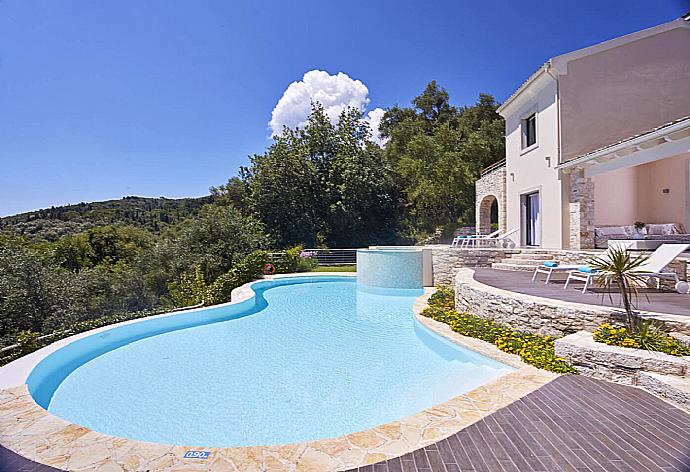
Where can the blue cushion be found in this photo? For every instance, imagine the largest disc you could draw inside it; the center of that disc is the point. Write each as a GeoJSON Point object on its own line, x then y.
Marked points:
{"type": "Point", "coordinates": [587, 269]}
{"type": "Point", "coordinates": [551, 264]}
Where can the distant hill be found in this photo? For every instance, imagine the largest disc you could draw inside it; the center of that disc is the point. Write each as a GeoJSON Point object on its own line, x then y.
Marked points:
{"type": "Point", "coordinates": [150, 213]}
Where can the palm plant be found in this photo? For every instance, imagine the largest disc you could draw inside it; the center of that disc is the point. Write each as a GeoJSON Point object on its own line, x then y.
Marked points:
{"type": "Point", "coordinates": [617, 268]}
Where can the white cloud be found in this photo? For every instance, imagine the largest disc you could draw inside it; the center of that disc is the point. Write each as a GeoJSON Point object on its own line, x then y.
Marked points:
{"type": "Point", "coordinates": [374, 119]}
{"type": "Point", "coordinates": [334, 92]}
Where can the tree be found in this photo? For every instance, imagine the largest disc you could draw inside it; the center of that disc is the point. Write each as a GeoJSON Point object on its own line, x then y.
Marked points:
{"type": "Point", "coordinates": [437, 151]}
{"type": "Point", "coordinates": [218, 238]}
{"type": "Point", "coordinates": [34, 293]}
{"type": "Point", "coordinates": [364, 201]}
{"type": "Point", "coordinates": [325, 184]}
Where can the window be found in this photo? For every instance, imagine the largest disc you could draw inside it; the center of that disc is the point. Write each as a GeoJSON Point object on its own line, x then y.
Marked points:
{"type": "Point", "coordinates": [529, 131]}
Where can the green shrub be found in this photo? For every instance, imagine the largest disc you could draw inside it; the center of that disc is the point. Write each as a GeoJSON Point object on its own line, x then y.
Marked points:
{"type": "Point", "coordinates": [533, 349]}
{"type": "Point", "coordinates": [645, 335]}
{"type": "Point", "coordinates": [296, 259]}
{"type": "Point", "coordinates": [28, 341]}
{"type": "Point", "coordinates": [189, 289]}
{"type": "Point", "coordinates": [248, 269]}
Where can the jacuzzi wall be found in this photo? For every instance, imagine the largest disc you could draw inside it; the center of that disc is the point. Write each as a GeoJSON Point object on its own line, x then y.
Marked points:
{"type": "Point", "coordinates": [390, 268]}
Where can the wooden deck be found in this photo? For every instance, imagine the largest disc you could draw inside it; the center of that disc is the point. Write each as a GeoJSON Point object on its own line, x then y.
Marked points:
{"type": "Point", "coordinates": [572, 424]}
{"type": "Point", "coordinates": [521, 282]}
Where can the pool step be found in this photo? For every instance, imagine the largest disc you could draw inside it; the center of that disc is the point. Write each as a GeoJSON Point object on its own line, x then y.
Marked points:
{"type": "Point", "coordinates": [521, 262]}
{"type": "Point", "coordinates": [513, 266]}
{"type": "Point", "coordinates": [530, 256]}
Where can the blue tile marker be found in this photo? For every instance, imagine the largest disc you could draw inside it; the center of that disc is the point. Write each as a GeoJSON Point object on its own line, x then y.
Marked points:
{"type": "Point", "coordinates": [196, 455]}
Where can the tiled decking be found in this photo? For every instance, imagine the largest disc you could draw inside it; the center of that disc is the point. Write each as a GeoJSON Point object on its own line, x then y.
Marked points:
{"type": "Point", "coordinates": [521, 282]}
{"type": "Point", "coordinates": [573, 424]}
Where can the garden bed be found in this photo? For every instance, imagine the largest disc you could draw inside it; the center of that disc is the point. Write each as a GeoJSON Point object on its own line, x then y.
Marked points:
{"type": "Point", "coordinates": [533, 349]}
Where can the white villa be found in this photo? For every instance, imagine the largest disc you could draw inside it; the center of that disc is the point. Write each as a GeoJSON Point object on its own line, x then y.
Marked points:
{"type": "Point", "coordinates": [596, 140]}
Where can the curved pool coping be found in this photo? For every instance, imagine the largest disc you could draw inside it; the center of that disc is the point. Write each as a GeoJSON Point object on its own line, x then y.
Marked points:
{"type": "Point", "coordinates": [31, 431]}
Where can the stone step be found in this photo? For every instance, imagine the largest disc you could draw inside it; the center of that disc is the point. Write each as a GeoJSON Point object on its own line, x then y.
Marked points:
{"type": "Point", "coordinates": [518, 267]}
{"type": "Point", "coordinates": [523, 262]}
{"type": "Point", "coordinates": [670, 387]}
{"type": "Point", "coordinates": [533, 257]}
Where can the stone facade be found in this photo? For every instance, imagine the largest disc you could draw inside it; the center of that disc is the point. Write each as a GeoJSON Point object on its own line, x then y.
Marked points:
{"type": "Point", "coordinates": [491, 187]}
{"type": "Point", "coordinates": [447, 260]}
{"type": "Point", "coordinates": [581, 210]}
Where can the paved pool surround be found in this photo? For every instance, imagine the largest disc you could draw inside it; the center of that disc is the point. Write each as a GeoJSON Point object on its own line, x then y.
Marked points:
{"type": "Point", "coordinates": [29, 430]}
{"type": "Point", "coordinates": [390, 268]}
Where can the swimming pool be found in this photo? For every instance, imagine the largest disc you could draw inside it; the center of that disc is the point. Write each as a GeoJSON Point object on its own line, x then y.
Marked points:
{"type": "Point", "coordinates": [307, 358]}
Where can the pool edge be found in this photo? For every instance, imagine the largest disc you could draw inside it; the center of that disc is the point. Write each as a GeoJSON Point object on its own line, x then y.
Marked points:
{"type": "Point", "coordinates": [34, 433]}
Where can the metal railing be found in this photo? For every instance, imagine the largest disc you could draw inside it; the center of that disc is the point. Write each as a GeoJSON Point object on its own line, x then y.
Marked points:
{"type": "Point", "coordinates": [493, 167]}
{"type": "Point", "coordinates": [332, 257]}
{"type": "Point", "coordinates": [327, 257]}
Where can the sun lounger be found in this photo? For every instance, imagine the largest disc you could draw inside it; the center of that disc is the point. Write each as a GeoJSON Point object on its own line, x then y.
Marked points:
{"type": "Point", "coordinates": [551, 267]}
{"type": "Point", "coordinates": [652, 268]}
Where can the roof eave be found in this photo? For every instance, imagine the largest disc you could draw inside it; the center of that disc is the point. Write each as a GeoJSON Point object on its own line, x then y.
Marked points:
{"type": "Point", "coordinates": [525, 85]}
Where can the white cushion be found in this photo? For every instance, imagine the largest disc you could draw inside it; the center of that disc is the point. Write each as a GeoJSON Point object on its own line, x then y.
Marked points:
{"type": "Point", "coordinates": [610, 230]}
{"type": "Point", "coordinates": [660, 229]}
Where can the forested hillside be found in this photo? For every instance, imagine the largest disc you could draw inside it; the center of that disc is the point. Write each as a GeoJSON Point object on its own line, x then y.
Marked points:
{"type": "Point", "coordinates": [151, 214]}
{"type": "Point", "coordinates": [327, 184]}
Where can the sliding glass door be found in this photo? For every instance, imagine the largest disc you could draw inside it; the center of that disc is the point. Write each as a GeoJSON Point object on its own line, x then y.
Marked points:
{"type": "Point", "coordinates": [531, 220]}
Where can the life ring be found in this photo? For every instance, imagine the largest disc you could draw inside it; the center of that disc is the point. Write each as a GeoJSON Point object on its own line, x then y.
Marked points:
{"type": "Point", "coordinates": [269, 269]}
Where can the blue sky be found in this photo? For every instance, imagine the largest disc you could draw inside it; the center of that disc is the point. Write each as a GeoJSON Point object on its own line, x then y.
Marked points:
{"type": "Point", "coordinates": [100, 100]}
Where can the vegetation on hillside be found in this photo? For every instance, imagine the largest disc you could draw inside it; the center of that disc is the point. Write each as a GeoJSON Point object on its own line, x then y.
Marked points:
{"type": "Point", "coordinates": [152, 214]}
{"type": "Point", "coordinates": [323, 185]}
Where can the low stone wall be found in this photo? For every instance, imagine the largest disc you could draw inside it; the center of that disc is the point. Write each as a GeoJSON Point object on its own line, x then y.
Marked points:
{"type": "Point", "coordinates": [525, 312]}
{"type": "Point", "coordinates": [617, 364]}
{"type": "Point", "coordinates": [662, 374]}
{"type": "Point", "coordinates": [542, 315]}
{"type": "Point", "coordinates": [447, 260]}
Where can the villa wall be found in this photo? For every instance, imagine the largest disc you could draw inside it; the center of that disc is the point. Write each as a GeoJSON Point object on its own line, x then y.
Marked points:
{"type": "Point", "coordinates": [631, 194]}
{"type": "Point", "coordinates": [620, 92]}
{"type": "Point", "coordinates": [534, 169]}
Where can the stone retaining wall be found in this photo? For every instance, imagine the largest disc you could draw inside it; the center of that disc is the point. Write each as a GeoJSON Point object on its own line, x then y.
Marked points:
{"type": "Point", "coordinates": [617, 364]}
{"type": "Point", "coordinates": [542, 315]}
{"type": "Point", "coordinates": [447, 260]}
{"type": "Point", "coordinates": [525, 312]}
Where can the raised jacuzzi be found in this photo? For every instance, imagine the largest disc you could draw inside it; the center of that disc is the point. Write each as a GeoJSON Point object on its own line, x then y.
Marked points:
{"type": "Point", "coordinates": [394, 267]}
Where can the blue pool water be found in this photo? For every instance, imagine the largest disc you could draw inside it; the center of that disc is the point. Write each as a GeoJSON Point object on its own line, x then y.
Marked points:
{"type": "Point", "coordinates": [309, 360]}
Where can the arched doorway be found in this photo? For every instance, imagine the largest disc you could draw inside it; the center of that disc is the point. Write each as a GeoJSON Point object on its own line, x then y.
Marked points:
{"type": "Point", "coordinates": [488, 215]}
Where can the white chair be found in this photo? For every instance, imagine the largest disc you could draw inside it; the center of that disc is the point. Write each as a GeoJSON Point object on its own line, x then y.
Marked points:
{"type": "Point", "coordinates": [549, 270]}
{"type": "Point", "coordinates": [652, 268]}
{"type": "Point", "coordinates": [477, 238]}
{"type": "Point", "coordinates": [504, 238]}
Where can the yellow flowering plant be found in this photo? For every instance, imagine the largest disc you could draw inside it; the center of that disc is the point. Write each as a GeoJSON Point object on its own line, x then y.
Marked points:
{"type": "Point", "coordinates": [533, 349]}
